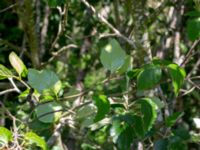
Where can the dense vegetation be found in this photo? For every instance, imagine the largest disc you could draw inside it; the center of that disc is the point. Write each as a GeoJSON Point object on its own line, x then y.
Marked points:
{"type": "Point", "coordinates": [99, 74]}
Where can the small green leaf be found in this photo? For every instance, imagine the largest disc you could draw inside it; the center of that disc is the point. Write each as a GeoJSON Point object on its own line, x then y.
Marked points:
{"type": "Point", "coordinates": [5, 136]}
{"type": "Point", "coordinates": [5, 72]}
{"type": "Point", "coordinates": [42, 80]}
{"type": "Point", "coordinates": [47, 112]}
{"type": "Point", "coordinates": [103, 106]}
{"type": "Point", "coordinates": [17, 64]}
{"type": "Point", "coordinates": [177, 74]}
{"type": "Point", "coordinates": [171, 120]}
{"type": "Point", "coordinates": [33, 138]}
{"type": "Point", "coordinates": [112, 56]}
{"type": "Point", "coordinates": [193, 28]}
{"type": "Point", "coordinates": [149, 77]}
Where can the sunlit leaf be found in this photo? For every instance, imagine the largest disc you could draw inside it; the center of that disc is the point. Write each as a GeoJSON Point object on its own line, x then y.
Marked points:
{"type": "Point", "coordinates": [5, 72]}
{"type": "Point", "coordinates": [33, 138]}
{"type": "Point", "coordinates": [112, 56]}
{"type": "Point", "coordinates": [5, 136]}
{"type": "Point", "coordinates": [42, 80]}
{"type": "Point", "coordinates": [177, 75]}
{"type": "Point", "coordinates": [18, 64]}
{"type": "Point", "coordinates": [47, 112]}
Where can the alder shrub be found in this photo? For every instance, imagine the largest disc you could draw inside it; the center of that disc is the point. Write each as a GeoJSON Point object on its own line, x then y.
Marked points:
{"type": "Point", "coordinates": [113, 119]}
{"type": "Point", "coordinates": [81, 81]}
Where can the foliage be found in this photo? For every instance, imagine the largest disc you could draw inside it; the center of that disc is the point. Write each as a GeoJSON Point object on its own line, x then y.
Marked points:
{"type": "Point", "coordinates": [99, 75]}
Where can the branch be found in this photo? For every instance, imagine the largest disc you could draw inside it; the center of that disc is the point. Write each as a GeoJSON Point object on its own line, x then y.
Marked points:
{"type": "Point", "coordinates": [7, 8]}
{"type": "Point", "coordinates": [189, 54]}
{"type": "Point", "coordinates": [56, 54]}
{"type": "Point", "coordinates": [15, 89]}
{"type": "Point", "coordinates": [102, 19]}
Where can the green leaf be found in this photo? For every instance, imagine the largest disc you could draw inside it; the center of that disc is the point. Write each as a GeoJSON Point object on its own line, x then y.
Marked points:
{"type": "Point", "coordinates": [171, 120]}
{"type": "Point", "coordinates": [148, 115]}
{"type": "Point", "coordinates": [125, 138]}
{"type": "Point", "coordinates": [112, 56]}
{"type": "Point", "coordinates": [103, 106]}
{"type": "Point", "coordinates": [47, 112]}
{"type": "Point", "coordinates": [5, 136]}
{"type": "Point", "coordinates": [177, 75]}
{"type": "Point", "coordinates": [126, 66]}
{"type": "Point", "coordinates": [193, 28]}
{"type": "Point", "coordinates": [5, 72]}
{"type": "Point", "coordinates": [42, 80]}
{"type": "Point", "coordinates": [33, 138]}
{"type": "Point", "coordinates": [17, 64]}
{"type": "Point", "coordinates": [149, 77]}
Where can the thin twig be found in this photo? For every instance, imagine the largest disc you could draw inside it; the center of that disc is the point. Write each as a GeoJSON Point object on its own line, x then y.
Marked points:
{"type": "Point", "coordinates": [189, 54]}
{"type": "Point", "coordinates": [102, 19]}
{"type": "Point", "coordinates": [59, 52]}
{"type": "Point", "coordinates": [9, 7]}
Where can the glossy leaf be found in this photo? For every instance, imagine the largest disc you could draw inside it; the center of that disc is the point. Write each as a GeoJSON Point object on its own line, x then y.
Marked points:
{"type": "Point", "coordinates": [125, 138]}
{"type": "Point", "coordinates": [18, 64]}
{"type": "Point", "coordinates": [42, 80]}
{"type": "Point", "coordinates": [122, 133]}
{"type": "Point", "coordinates": [5, 72]}
{"type": "Point", "coordinates": [149, 77]}
{"type": "Point", "coordinates": [5, 136]}
{"type": "Point", "coordinates": [33, 138]}
{"type": "Point", "coordinates": [112, 56]}
{"type": "Point", "coordinates": [103, 106]}
{"type": "Point", "coordinates": [177, 75]}
{"type": "Point", "coordinates": [47, 112]}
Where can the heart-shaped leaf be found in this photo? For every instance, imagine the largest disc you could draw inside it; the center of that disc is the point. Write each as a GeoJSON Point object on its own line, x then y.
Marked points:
{"type": "Point", "coordinates": [42, 80]}
{"type": "Point", "coordinates": [112, 56]}
{"type": "Point", "coordinates": [47, 112]}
